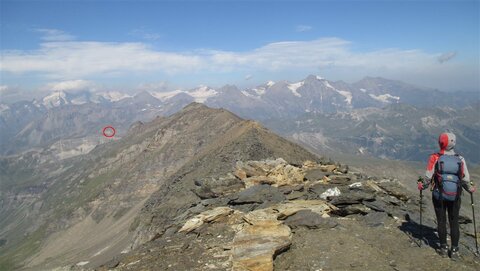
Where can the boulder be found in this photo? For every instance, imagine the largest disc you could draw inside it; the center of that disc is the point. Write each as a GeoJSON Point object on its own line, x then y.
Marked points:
{"type": "Point", "coordinates": [292, 207]}
{"type": "Point", "coordinates": [286, 175]}
{"type": "Point", "coordinates": [257, 194]}
{"type": "Point", "coordinates": [352, 197]}
{"type": "Point", "coordinates": [331, 192]}
{"type": "Point", "coordinates": [377, 205]}
{"type": "Point", "coordinates": [340, 179]}
{"type": "Point", "coordinates": [255, 246]}
{"type": "Point", "coordinates": [394, 188]}
{"type": "Point", "coordinates": [309, 219]}
{"type": "Point", "coordinates": [206, 217]}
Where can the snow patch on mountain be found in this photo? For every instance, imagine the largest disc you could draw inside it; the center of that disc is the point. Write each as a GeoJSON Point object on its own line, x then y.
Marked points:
{"type": "Point", "coordinates": [79, 100]}
{"type": "Point", "coordinates": [55, 99]}
{"type": "Point", "coordinates": [319, 78]}
{"type": "Point", "coordinates": [347, 94]}
{"type": "Point", "coordinates": [293, 87]}
{"type": "Point", "coordinates": [363, 90]}
{"type": "Point", "coordinates": [165, 95]}
{"type": "Point", "coordinates": [114, 96]}
{"type": "Point", "coordinates": [385, 98]}
{"type": "Point", "coordinates": [201, 94]}
{"type": "Point", "coordinates": [244, 92]}
{"type": "Point", "coordinates": [259, 91]}
{"type": "Point", "coordinates": [270, 83]}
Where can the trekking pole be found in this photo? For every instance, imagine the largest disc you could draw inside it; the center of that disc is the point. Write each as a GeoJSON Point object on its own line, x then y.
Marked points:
{"type": "Point", "coordinates": [421, 225]}
{"type": "Point", "coordinates": [474, 225]}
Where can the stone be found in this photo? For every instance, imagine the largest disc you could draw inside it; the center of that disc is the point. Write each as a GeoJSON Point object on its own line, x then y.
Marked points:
{"type": "Point", "coordinates": [353, 209]}
{"type": "Point", "coordinates": [328, 168]}
{"type": "Point", "coordinates": [249, 170]}
{"type": "Point", "coordinates": [373, 185]}
{"type": "Point", "coordinates": [339, 179]}
{"type": "Point", "coordinates": [258, 194]}
{"type": "Point", "coordinates": [309, 164]}
{"type": "Point", "coordinates": [257, 180]}
{"type": "Point", "coordinates": [287, 189]}
{"type": "Point", "coordinates": [377, 205]}
{"type": "Point", "coordinates": [291, 207]}
{"type": "Point", "coordinates": [356, 185]}
{"type": "Point", "coordinates": [205, 217]}
{"type": "Point", "coordinates": [286, 175]}
{"type": "Point", "coordinates": [204, 192]}
{"type": "Point", "coordinates": [295, 195]}
{"type": "Point", "coordinates": [315, 174]}
{"type": "Point", "coordinates": [394, 188]}
{"type": "Point", "coordinates": [353, 197]}
{"type": "Point", "coordinates": [255, 246]}
{"type": "Point", "coordinates": [267, 216]}
{"type": "Point", "coordinates": [309, 219]}
{"type": "Point", "coordinates": [241, 174]}
{"type": "Point", "coordinates": [332, 192]}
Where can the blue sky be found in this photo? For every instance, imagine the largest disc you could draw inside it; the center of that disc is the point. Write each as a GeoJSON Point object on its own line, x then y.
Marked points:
{"type": "Point", "coordinates": [132, 44]}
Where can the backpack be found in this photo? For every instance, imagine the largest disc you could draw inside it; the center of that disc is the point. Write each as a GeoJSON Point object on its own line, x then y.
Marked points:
{"type": "Point", "coordinates": [448, 174]}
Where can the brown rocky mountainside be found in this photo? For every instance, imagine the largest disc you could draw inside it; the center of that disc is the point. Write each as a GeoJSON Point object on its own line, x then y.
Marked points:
{"type": "Point", "coordinates": [86, 208]}
{"type": "Point", "coordinates": [206, 190]}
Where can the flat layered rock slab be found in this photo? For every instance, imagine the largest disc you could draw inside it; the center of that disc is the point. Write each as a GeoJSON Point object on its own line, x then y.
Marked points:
{"type": "Point", "coordinates": [205, 217]}
{"type": "Point", "coordinates": [255, 246]}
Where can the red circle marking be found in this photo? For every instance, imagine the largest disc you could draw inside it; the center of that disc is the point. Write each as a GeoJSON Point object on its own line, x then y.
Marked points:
{"type": "Point", "coordinates": [108, 128]}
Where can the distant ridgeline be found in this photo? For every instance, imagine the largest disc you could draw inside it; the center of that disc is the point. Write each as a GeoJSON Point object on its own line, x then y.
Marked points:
{"type": "Point", "coordinates": [374, 116]}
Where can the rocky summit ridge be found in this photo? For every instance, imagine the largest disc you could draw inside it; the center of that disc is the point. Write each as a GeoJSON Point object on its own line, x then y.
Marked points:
{"type": "Point", "coordinates": [272, 215]}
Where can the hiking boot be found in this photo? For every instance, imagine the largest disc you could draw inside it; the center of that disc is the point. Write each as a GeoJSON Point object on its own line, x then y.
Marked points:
{"type": "Point", "coordinates": [454, 255]}
{"type": "Point", "coordinates": [443, 251]}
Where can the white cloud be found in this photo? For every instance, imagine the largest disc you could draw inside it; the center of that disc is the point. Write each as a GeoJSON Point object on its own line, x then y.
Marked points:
{"type": "Point", "coordinates": [155, 86]}
{"type": "Point", "coordinates": [69, 60]}
{"type": "Point", "coordinates": [248, 77]}
{"type": "Point", "coordinates": [303, 28]}
{"type": "Point", "coordinates": [3, 88]}
{"type": "Point", "coordinates": [70, 86]}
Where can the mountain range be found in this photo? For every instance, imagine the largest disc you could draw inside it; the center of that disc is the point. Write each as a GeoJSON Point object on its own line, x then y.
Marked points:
{"type": "Point", "coordinates": [375, 116]}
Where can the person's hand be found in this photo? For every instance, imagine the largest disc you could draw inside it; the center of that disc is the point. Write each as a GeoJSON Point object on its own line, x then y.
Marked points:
{"type": "Point", "coordinates": [472, 189]}
{"type": "Point", "coordinates": [420, 186]}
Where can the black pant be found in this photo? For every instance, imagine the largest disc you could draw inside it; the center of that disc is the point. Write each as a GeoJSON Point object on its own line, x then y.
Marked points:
{"type": "Point", "coordinates": [453, 207]}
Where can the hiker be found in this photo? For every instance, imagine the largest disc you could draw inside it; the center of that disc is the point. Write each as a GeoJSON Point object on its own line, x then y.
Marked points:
{"type": "Point", "coordinates": [446, 173]}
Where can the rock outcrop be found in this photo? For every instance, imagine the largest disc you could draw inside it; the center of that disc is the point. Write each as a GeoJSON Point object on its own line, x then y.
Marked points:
{"type": "Point", "coordinates": [259, 221]}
